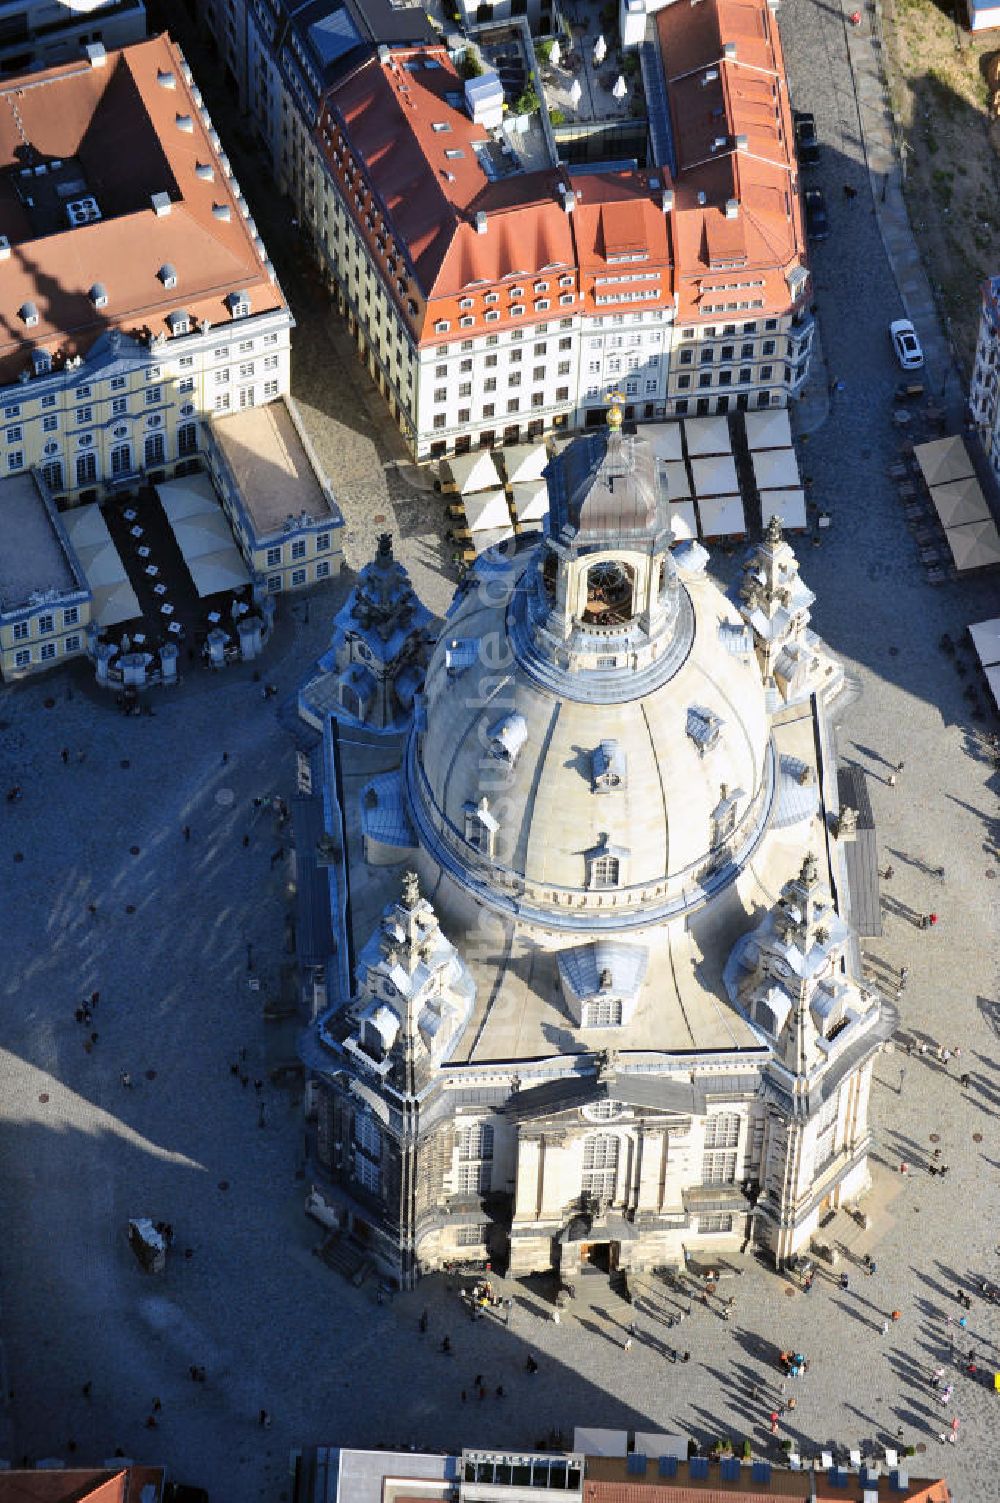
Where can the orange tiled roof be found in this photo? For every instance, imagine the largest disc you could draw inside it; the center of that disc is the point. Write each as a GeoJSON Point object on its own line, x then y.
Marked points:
{"type": "Point", "coordinates": [121, 124]}
{"type": "Point", "coordinates": [397, 135]}
{"type": "Point", "coordinates": [783, 1485]}
{"type": "Point", "coordinates": [80, 1485]}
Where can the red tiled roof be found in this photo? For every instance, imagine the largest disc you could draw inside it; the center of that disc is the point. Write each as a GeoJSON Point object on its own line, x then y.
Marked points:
{"type": "Point", "coordinates": [783, 1485]}
{"type": "Point", "coordinates": [121, 125]}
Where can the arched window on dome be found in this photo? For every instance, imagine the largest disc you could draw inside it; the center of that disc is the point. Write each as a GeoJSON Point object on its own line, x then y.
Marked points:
{"type": "Point", "coordinates": [480, 827]}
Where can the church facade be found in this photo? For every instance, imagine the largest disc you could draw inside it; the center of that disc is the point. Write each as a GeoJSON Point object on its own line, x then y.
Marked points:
{"type": "Point", "coordinates": [597, 996]}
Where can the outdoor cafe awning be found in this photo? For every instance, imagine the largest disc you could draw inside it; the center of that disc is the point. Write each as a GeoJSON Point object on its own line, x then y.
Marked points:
{"type": "Point", "coordinates": [768, 430]}
{"type": "Point", "coordinates": [665, 439]}
{"type": "Point", "coordinates": [959, 501]}
{"type": "Point", "coordinates": [683, 525]}
{"type": "Point", "coordinates": [486, 509]}
{"type": "Point", "coordinates": [974, 546]}
{"type": "Point", "coordinates": [715, 476]}
{"type": "Point", "coordinates": [530, 499]}
{"type": "Point", "coordinates": [203, 535]}
{"type": "Point", "coordinates": [472, 472]}
{"type": "Point", "coordinates": [721, 516]}
{"type": "Point", "coordinates": [943, 459]}
{"type": "Point", "coordinates": [524, 462]}
{"type": "Point", "coordinates": [707, 435]}
{"type": "Point", "coordinates": [788, 505]}
{"type": "Point", "coordinates": [775, 469]}
{"type": "Point", "coordinates": [114, 598]}
{"type": "Point", "coordinates": [986, 640]}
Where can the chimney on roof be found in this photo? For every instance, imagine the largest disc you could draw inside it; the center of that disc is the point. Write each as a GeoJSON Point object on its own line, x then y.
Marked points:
{"type": "Point", "coordinates": [161, 204]}
{"type": "Point", "coordinates": [184, 123]}
{"type": "Point", "coordinates": [729, 52]}
{"type": "Point", "coordinates": [99, 295]}
{"type": "Point", "coordinates": [702, 200]}
{"type": "Point", "coordinates": [667, 201]}
{"type": "Point", "coordinates": [205, 171]}
{"type": "Point", "coordinates": [720, 143]}
{"type": "Point", "coordinates": [165, 78]}
{"type": "Point", "coordinates": [96, 54]}
{"type": "Point", "coordinates": [569, 202]}
{"type": "Point", "coordinates": [742, 142]}
{"type": "Point", "coordinates": [383, 54]}
{"type": "Point", "coordinates": [221, 211]}
{"type": "Point", "coordinates": [481, 225]}
{"type": "Point", "coordinates": [732, 208]}
{"type": "Point", "coordinates": [4, 248]}
{"type": "Point", "coordinates": [709, 76]}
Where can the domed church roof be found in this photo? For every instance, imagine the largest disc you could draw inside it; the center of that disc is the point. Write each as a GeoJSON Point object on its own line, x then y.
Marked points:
{"type": "Point", "coordinates": [590, 738]}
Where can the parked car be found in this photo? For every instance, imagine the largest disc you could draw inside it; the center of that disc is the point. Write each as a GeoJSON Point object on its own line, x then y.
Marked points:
{"type": "Point", "coordinates": [906, 344]}
{"type": "Point", "coordinates": [806, 139]}
{"type": "Point", "coordinates": [817, 222]}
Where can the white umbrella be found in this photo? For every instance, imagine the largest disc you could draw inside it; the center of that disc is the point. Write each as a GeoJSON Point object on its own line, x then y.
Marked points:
{"type": "Point", "coordinates": [600, 51]}
{"type": "Point", "coordinates": [555, 53]}
{"type": "Point", "coordinates": [620, 89]}
{"type": "Point", "coordinates": [575, 93]}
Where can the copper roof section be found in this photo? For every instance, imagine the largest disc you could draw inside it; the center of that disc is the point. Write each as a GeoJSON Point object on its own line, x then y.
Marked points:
{"type": "Point", "coordinates": [116, 134]}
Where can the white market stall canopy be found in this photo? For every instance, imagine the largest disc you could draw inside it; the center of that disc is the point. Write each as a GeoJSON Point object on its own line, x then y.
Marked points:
{"type": "Point", "coordinates": [489, 537]}
{"type": "Point", "coordinates": [942, 460]}
{"type": "Point", "coordinates": [683, 524]}
{"type": "Point", "coordinates": [993, 679]}
{"type": "Point", "coordinates": [715, 476]}
{"type": "Point", "coordinates": [788, 506]}
{"type": "Point", "coordinates": [114, 598]}
{"type": "Point", "coordinates": [974, 546]}
{"type": "Point", "coordinates": [768, 430]}
{"type": "Point", "coordinates": [665, 438]}
{"type": "Point", "coordinates": [472, 472]}
{"type": "Point", "coordinates": [203, 535]}
{"type": "Point", "coordinates": [959, 501]}
{"type": "Point", "coordinates": [707, 435]}
{"type": "Point", "coordinates": [523, 462]}
{"type": "Point", "coordinates": [775, 469]}
{"type": "Point", "coordinates": [590, 1440]}
{"type": "Point", "coordinates": [486, 509]}
{"type": "Point", "coordinates": [721, 516]}
{"type": "Point", "coordinates": [530, 499]}
{"type": "Point", "coordinates": [675, 474]}
{"type": "Point", "coordinates": [986, 639]}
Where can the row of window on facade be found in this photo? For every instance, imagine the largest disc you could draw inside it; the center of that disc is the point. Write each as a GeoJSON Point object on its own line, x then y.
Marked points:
{"type": "Point", "coordinates": [120, 459]}
{"type": "Point", "coordinates": [601, 1158]}
{"type": "Point", "coordinates": [48, 651]}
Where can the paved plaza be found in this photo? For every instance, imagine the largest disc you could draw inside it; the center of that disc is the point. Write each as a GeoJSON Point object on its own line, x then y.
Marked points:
{"type": "Point", "coordinates": [167, 949]}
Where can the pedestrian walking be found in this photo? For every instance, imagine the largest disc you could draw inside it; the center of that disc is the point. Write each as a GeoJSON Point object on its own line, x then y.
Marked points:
{"type": "Point", "coordinates": [932, 919]}
{"type": "Point", "coordinates": [225, 758]}
{"type": "Point", "coordinates": [900, 766]}
{"type": "Point", "coordinates": [891, 780]}
{"type": "Point", "coordinates": [888, 874]}
{"type": "Point", "coordinates": [844, 1281]}
{"type": "Point", "coordinates": [904, 975]}
{"type": "Point", "coordinates": [87, 1389]}
{"type": "Point", "coordinates": [246, 841]}
{"type": "Point", "coordinates": [885, 1327]}
{"type": "Point", "coordinates": [904, 1167]}
{"type": "Point", "coordinates": [65, 756]}
{"type": "Point", "coordinates": [774, 1421]}
{"type": "Point", "coordinates": [627, 1343]}
{"type": "Point", "coordinates": [264, 1420]}
{"type": "Point", "coordinates": [186, 832]}
{"type": "Point", "coordinates": [964, 1080]}
{"type": "Point", "coordinates": [897, 1316]}
{"type": "Point", "coordinates": [156, 1406]}
{"type": "Point", "coordinates": [126, 1080]}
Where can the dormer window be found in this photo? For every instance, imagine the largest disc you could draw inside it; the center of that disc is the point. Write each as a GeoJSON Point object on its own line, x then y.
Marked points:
{"type": "Point", "coordinates": [724, 815]}
{"type": "Point", "coordinates": [507, 736]}
{"type": "Point", "coordinates": [179, 323]}
{"type": "Point", "coordinates": [606, 866]}
{"type": "Point", "coordinates": [168, 275]}
{"type": "Point", "coordinates": [703, 726]}
{"type": "Point", "coordinates": [608, 767]}
{"type": "Point", "coordinates": [41, 362]}
{"type": "Point", "coordinates": [238, 304]}
{"type": "Point", "coordinates": [29, 313]}
{"type": "Point", "coordinates": [99, 295]}
{"type": "Point", "coordinates": [602, 1012]}
{"type": "Point", "coordinates": [480, 827]}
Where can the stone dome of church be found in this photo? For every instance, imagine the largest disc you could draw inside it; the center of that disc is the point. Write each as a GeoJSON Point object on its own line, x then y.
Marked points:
{"type": "Point", "coordinates": [595, 732]}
